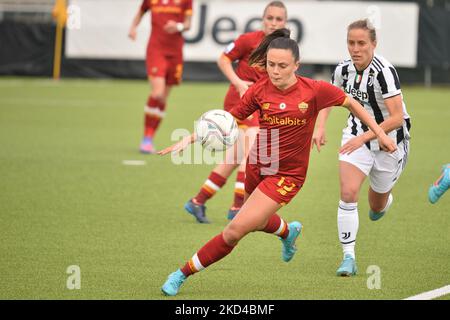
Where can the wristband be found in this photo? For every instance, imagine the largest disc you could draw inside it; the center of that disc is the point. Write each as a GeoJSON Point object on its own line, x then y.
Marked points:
{"type": "Point", "coordinates": [180, 27]}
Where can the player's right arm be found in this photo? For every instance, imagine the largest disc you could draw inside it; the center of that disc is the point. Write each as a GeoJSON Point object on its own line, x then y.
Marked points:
{"type": "Point", "coordinates": [246, 107]}
{"type": "Point", "coordinates": [132, 33]}
{"type": "Point", "coordinates": [385, 142]}
{"type": "Point", "coordinates": [226, 66]}
{"type": "Point", "coordinates": [180, 145]}
{"type": "Point", "coordinates": [236, 50]}
{"type": "Point", "coordinates": [319, 138]}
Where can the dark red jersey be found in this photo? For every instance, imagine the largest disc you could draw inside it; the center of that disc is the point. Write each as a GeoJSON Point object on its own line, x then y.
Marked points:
{"type": "Point", "coordinates": [161, 12]}
{"type": "Point", "coordinates": [286, 120]}
{"type": "Point", "coordinates": [240, 51]}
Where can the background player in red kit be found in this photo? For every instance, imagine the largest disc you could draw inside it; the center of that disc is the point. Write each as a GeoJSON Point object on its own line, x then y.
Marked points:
{"type": "Point", "coordinates": [164, 59]}
{"type": "Point", "coordinates": [288, 106]}
{"type": "Point", "coordinates": [274, 17]}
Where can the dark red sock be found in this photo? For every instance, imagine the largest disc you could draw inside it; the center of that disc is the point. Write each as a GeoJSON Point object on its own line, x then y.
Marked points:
{"type": "Point", "coordinates": [277, 226]}
{"type": "Point", "coordinates": [154, 113]}
{"type": "Point", "coordinates": [214, 182]}
{"type": "Point", "coordinates": [214, 250]}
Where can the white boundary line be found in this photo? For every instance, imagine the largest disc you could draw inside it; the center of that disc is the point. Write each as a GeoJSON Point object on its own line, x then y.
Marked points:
{"type": "Point", "coordinates": [134, 162]}
{"type": "Point", "coordinates": [431, 294]}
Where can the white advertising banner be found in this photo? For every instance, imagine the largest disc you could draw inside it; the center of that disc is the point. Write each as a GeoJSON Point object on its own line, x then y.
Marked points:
{"type": "Point", "coordinates": [98, 29]}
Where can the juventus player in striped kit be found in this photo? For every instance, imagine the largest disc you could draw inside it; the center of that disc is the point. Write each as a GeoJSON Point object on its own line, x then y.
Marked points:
{"type": "Point", "coordinates": [373, 82]}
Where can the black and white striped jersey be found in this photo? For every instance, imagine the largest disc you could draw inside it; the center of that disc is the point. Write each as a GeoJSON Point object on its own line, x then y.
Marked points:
{"type": "Point", "coordinates": [370, 87]}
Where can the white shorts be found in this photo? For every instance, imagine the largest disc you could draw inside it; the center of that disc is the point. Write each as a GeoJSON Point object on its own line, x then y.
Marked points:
{"type": "Point", "coordinates": [382, 168]}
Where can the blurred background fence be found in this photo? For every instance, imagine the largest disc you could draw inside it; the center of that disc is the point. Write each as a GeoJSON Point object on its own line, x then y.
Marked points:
{"type": "Point", "coordinates": [414, 35]}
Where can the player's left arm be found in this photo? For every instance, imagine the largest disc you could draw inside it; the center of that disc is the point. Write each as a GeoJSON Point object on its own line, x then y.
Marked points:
{"type": "Point", "coordinates": [172, 26]}
{"type": "Point", "coordinates": [319, 137]}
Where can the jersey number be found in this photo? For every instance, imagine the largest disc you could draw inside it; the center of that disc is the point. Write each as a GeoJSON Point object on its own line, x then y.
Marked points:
{"type": "Point", "coordinates": [285, 187]}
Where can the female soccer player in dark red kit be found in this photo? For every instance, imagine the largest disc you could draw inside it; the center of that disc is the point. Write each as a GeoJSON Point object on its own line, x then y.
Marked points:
{"type": "Point", "coordinates": [164, 59]}
{"type": "Point", "coordinates": [274, 17]}
{"type": "Point", "coordinates": [288, 106]}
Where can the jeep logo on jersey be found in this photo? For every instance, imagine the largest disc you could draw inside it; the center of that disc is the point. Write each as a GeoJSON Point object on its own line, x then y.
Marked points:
{"type": "Point", "coordinates": [303, 107]}
{"type": "Point", "coordinates": [282, 106]}
{"type": "Point", "coordinates": [356, 93]}
{"type": "Point", "coordinates": [265, 106]}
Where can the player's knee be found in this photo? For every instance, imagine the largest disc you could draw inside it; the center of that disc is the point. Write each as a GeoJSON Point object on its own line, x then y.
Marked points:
{"type": "Point", "coordinates": [159, 96]}
{"type": "Point", "coordinates": [349, 194]}
{"type": "Point", "coordinates": [233, 233]}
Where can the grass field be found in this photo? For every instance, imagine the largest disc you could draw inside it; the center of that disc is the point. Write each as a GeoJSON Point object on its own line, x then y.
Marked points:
{"type": "Point", "coordinates": [67, 199]}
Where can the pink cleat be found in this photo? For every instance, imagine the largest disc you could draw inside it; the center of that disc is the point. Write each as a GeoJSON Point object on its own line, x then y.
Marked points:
{"type": "Point", "coordinates": [147, 146]}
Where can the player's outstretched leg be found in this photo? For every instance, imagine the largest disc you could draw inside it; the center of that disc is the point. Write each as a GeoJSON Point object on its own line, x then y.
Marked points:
{"type": "Point", "coordinates": [287, 233]}
{"type": "Point", "coordinates": [197, 210]}
{"type": "Point", "coordinates": [213, 251]}
{"type": "Point", "coordinates": [289, 248]}
{"type": "Point", "coordinates": [348, 267]}
{"type": "Point", "coordinates": [374, 216]}
{"type": "Point", "coordinates": [173, 283]}
{"type": "Point", "coordinates": [440, 186]}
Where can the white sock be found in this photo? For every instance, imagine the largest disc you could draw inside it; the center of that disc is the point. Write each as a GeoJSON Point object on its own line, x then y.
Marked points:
{"type": "Point", "coordinates": [348, 223]}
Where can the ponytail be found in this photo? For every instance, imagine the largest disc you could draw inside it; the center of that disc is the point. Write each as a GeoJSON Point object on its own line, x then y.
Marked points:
{"type": "Point", "coordinates": [279, 39]}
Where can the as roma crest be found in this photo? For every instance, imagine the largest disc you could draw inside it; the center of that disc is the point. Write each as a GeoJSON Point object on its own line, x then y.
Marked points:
{"type": "Point", "coordinates": [303, 107]}
{"type": "Point", "coordinates": [265, 106]}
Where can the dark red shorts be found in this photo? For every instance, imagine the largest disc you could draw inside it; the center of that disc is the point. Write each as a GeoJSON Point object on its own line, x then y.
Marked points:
{"type": "Point", "coordinates": [281, 189]}
{"type": "Point", "coordinates": [164, 66]}
{"type": "Point", "coordinates": [232, 99]}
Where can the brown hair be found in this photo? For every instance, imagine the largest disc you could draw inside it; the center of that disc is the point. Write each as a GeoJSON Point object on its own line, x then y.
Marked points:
{"type": "Point", "coordinates": [279, 39]}
{"type": "Point", "coordinates": [364, 24]}
{"type": "Point", "coordinates": [277, 4]}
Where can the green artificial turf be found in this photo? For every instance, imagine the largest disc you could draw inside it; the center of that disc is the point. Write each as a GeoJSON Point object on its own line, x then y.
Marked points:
{"type": "Point", "coordinates": [66, 198]}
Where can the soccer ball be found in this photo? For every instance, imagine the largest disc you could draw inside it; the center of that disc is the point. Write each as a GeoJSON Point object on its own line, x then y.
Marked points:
{"type": "Point", "coordinates": [216, 130]}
